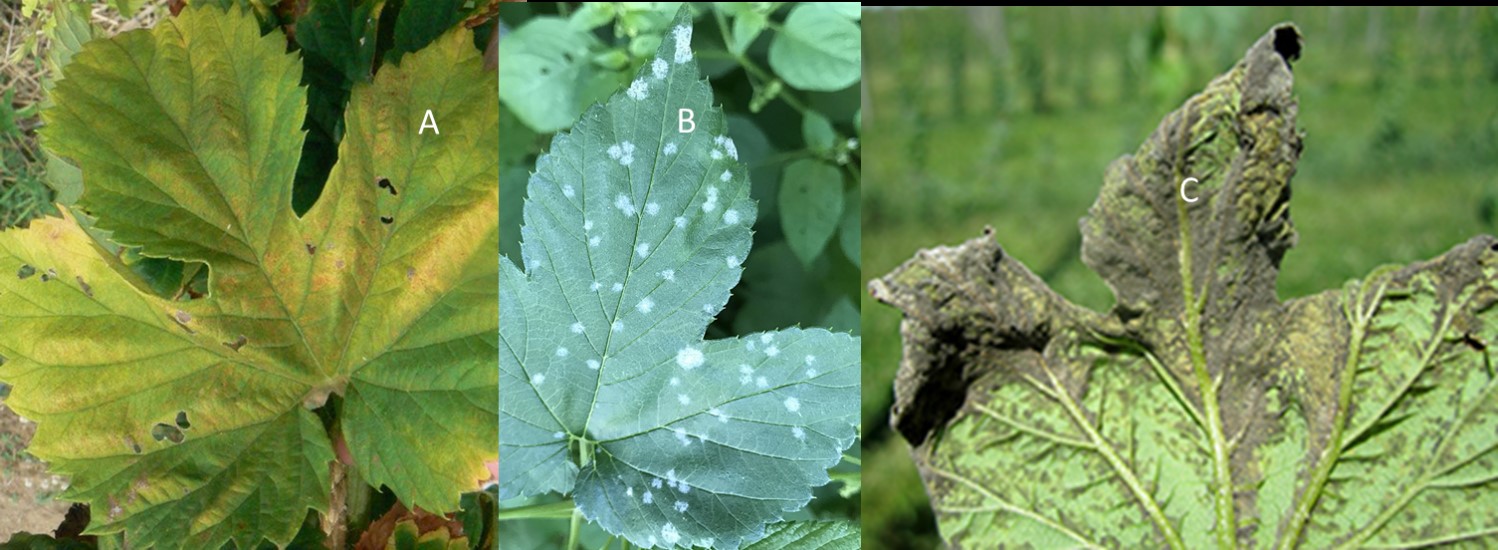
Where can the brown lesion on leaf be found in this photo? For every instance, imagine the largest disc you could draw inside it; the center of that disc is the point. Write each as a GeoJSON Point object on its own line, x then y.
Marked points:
{"type": "Point", "coordinates": [25, 271]}
{"type": "Point", "coordinates": [237, 343]}
{"type": "Point", "coordinates": [83, 285]}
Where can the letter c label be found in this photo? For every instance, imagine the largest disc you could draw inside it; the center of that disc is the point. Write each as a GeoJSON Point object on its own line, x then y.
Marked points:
{"type": "Point", "coordinates": [1183, 190]}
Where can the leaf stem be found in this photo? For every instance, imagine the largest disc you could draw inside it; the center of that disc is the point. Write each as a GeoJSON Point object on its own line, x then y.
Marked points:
{"type": "Point", "coordinates": [852, 460]}
{"type": "Point", "coordinates": [577, 523]}
{"type": "Point", "coordinates": [551, 510]}
{"type": "Point", "coordinates": [1191, 304]}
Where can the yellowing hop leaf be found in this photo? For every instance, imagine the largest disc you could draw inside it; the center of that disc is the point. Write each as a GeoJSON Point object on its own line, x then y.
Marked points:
{"type": "Point", "coordinates": [188, 423]}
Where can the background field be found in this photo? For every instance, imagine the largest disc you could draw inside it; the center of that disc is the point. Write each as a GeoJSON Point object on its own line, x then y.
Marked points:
{"type": "Point", "coordinates": [1008, 117]}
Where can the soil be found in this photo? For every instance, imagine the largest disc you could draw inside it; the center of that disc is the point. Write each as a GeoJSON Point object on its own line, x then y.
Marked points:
{"type": "Point", "coordinates": [28, 494]}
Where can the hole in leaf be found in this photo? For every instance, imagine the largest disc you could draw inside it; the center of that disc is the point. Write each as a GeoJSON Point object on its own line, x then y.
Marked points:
{"type": "Point", "coordinates": [84, 285]}
{"type": "Point", "coordinates": [387, 220]}
{"type": "Point", "coordinates": [132, 445]}
{"type": "Point", "coordinates": [311, 249]}
{"type": "Point", "coordinates": [385, 184]}
{"type": "Point", "coordinates": [25, 271]}
{"type": "Point", "coordinates": [49, 275]}
{"type": "Point", "coordinates": [237, 343]}
{"type": "Point", "coordinates": [182, 420]}
{"type": "Point", "coordinates": [167, 432]}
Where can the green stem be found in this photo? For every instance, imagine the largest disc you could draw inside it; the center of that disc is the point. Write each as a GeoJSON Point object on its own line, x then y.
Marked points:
{"type": "Point", "coordinates": [550, 510]}
{"type": "Point", "coordinates": [852, 460]}
{"type": "Point", "coordinates": [577, 524]}
{"type": "Point", "coordinates": [1227, 528]}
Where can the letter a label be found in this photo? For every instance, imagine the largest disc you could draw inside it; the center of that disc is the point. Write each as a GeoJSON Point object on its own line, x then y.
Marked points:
{"type": "Point", "coordinates": [429, 121]}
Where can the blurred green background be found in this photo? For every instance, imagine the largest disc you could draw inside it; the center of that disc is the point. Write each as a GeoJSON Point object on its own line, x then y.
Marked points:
{"type": "Point", "coordinates": [1008, 116]}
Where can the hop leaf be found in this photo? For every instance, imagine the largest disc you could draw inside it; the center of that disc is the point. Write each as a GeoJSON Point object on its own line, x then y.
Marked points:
{"type": "Point", "coordinates": [634, 235]}
{"type": "Point", "coordinates": [1202, 410]}
{"type": "Point", "coordinates": [189, 424]}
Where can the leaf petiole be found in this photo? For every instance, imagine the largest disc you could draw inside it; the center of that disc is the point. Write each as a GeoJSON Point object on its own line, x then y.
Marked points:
{"type": "Point", "coordinates": [551, 510]}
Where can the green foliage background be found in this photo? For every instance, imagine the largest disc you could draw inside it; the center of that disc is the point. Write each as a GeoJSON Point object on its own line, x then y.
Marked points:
{"type": "Point", "coordinates": [788, 134]}
{"type": "Point", "coordinates": [1007, 117]}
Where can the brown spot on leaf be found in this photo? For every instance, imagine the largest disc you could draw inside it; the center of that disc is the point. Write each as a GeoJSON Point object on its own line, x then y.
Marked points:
{"type": "Point", "coordinates": [167, 432]}
{"type": "Point", "coordinates": [131, 444]}
{"type": "Point", "coordinates": [84, 285]}
{"type": "Point", "coordinates": [49, 275]}
{"type": "Point", "coordinates": [410, 273]}
{"type": "Point", "coordinates": [183, 317]}
{"type": "Point", "coordinates": [182, 420]}
{"type": "Point", "coordinates": [338, 264]}
{"type": "Point", "coordinates": [237, 343]}
{"type": "Point", "coordinates": [311, 249]}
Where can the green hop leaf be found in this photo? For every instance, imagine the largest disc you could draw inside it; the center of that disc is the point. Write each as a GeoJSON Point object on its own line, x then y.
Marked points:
{"type": "Point", "coordinates": [543, 67]}
{"type": "Point", "coordinates": [634, 235]}
{"type": "Point", "coordinates": [1201, 410]}
{"type": "Point", "coordinates": [189, 423]}
{"type": "Point", "coordinates": [817, 49]}
{"type": "Point", "coordinates": [811, 205]}
{"type": "Point", "coordinates": [809, 535]}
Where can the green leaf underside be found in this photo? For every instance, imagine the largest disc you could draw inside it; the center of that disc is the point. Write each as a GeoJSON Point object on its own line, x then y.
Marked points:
{"type": "Point", "coordinates": [189, 137]}
{"type": "Point", "coordinates": [1202, 411]}
{"type": "Point", "coordinates": [817, 49]}
{"type": "Point", "coordinates": [634, 235]}
{"type": "Point", "coordinates": [809, 535]}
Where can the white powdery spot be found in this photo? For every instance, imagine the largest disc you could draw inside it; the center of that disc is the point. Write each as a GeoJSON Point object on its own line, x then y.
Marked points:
{"type": "Point", "coordinates": [669, 534]}
{"type": "Point", "coordinates": [629, 492]}
{"type": "Point", "coordinates": [595, 286]}
{"type": "Point", "coordinates": [792, 404]}
{"type": "Point", "coordinates": [680, 221]}
{"type": "Point", "coordinates": [852, 143]}
{"type": "Point", "coordinates": [718, 413]}
{"type": "Point", "coordinates": [811, 373]}
{"type": "Point", "coordinates": [707, 308]}
{"type": "Point", "coordinates": [745, 368]}
{"type": "Point", "coordinates": [733, 152]}
{"type": "Point", "coordinates": [538, 379]}
{"type": "Point", "coordinates": [638, 90]}
{"type": "Point", "coordinates": [716, 154]}
{"type": "Point", "coordinates": [681, 507]}
{"type": "Point", "coordinates": [675, 381]}
{"type": "Point", "coordinates": [683, 487]}
{"type": "Point", "coordinates": [670, 149]}
{"type": "Point", "coordinates": [761, 382]}
{"type": "Point", "coordinates": [594, 364]}
{"type": "Point", "coordinates": [811, 359]}
{"type": "Point", "coordinates": [725, 176]}
{"type": "Point", "coordinates": [652, 208]}
{"type": "Point", "coordinates": [683, 399]}
{"type": "Point", "coordinates": [772, 351]}
{"type": "Point", "coordinates": [642, 249]}
{"type": "Point", "coordinates": [587, 224]}
{"type": "Point", "coordinates": [616, 326]}
{"type": "Point", "coordinates": [669, 274]}
{"type": "Point", "coordinates": [617, 287]}
{"type": "Point", "coordinates": [658, 68]}
{"type": "Point", "coordinates": [749, 345]}
{"type": "Point", "coordinates": [558, 435]}
{"type": "Point", "coordinates": [798, 432]}
{"type": "Point", "coordinates": [766, 337]}
{"type": "Point", "coordinates": [562, 352]}
{"type": "Point", "coordinates": [733, 261]}
{"type": "Point", "coordinates": [731, 217]}
{"type": "Point", "coordinates": [594, 241]}
{"type": "Point", "coordinates": [615, 151]}
{"type": "Point", "coordinates": [655, 482]}
{"type": "Point", "coordinates": [628, 156]}
{"type": "Point", "coordinates": [567, 191]}
{"type": "Point", "coordinates": [689, 358]}
{"type": "Point", "coordinates": [577, 328]}
{"type": "Point", "coordinates": [647, 499]}
{"type": "Point", "coordinates": [625, 204]}
{"type": "Point", "coordinates": [671, 477]}
{"type": "Point", "coordinates": [652, 537]}
{"type": "Point", "coordinates": [710, 206]}
{"type": "Point", "coordinates": [681, 435]}
{"type": "Point", "coordinates": [645, 305]}
{"type": "Point", "coordinates": [683, 36]}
